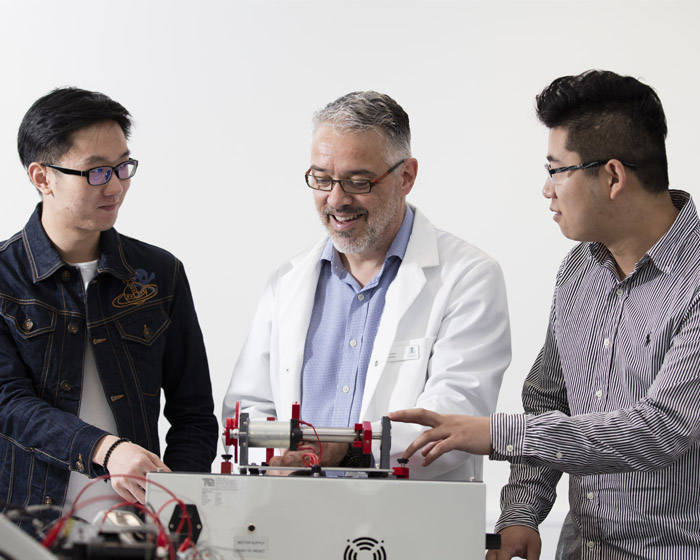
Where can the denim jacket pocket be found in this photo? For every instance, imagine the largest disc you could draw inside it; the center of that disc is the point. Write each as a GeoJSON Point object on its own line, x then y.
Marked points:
{"type": "Point", "coordinates": [29, 318]}
{"type": "Point", "coordinates": [144, 338]}
{"type": "Point", "coordinates": [32, 326]}
{"type": "Point", "coordinates": [144, 326]}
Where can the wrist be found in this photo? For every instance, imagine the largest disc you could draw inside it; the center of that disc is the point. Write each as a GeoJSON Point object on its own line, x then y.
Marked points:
{"type": "Point", "coordinates": [101, 447]}
{"type": "Point", "coordinates": [115, 442]}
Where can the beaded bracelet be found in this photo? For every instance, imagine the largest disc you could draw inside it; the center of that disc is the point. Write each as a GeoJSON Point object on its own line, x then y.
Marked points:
{"type": "Point", "coordinates": [109, 452]}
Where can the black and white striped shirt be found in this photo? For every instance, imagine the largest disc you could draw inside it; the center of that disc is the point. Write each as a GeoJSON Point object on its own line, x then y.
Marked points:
{"type": "Point", "coordinates": [613, 399]}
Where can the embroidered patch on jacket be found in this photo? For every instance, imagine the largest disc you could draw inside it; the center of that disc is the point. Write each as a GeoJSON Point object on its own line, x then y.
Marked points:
{"type": "Point", "coordinates": [137, 290]}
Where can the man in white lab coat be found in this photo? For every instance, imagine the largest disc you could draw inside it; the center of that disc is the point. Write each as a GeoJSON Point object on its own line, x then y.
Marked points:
{"type": "Point", "coordinates": [385, 313]}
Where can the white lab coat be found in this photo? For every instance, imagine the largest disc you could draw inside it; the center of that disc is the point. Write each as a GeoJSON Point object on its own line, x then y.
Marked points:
{"type": "Point", "coordinates": [443, 343]}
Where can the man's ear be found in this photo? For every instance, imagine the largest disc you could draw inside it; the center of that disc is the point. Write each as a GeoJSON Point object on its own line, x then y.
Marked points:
{"type": "Point", "coordinates": [39, 176]}
{"type": "Point", "coordinates": [408, 175]}
{"type": "Point", "coordinates": [616, 176]}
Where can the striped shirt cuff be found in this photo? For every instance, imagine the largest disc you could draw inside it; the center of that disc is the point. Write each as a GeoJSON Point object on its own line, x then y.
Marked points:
{"type": "Point", "coordinates": [507, 436]}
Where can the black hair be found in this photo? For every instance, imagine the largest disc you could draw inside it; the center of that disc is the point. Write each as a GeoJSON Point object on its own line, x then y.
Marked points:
{"type": "Point", "coordinates": [46, 129]}
{"type": "Point", "coordinates": [610, 116]}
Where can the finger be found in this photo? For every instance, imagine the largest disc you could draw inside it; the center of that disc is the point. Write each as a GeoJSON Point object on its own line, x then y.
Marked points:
{"type": "Point", "coordinates": [291, 459]}
{"type": "Point", "coordinates": [158, 463]}
{"type": "Point", "coordinates": [418, 443]}
{"type": "Point", "coordinates": [437, 449]}
{"type": "Point", "coordinates": [275, 461]}
{"type": "Point", "coordinates": [426, 438]}
{"type": "Point", "coordinates": [533, 551]}
{"type": "Point", "coordinates": [139, 493]}
{"type": "Point", "coordinates": [427, 448]}
{"type": "Point", "coordinates": [279, 473]}
{"type": "Point", "coordinates": [125, 490]}
{"type": "Point", "coordinates": [416, 416]}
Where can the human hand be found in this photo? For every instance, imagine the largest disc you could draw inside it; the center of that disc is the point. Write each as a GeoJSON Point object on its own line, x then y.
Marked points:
{"type": "Point", "coordinates": [126, 461]}
{"type": "Point", "coordinates": [332, 454]}
{"type": "Point", "coordinates": [517, 541]}
{"type": "Point", "coordinates": [449, 431]}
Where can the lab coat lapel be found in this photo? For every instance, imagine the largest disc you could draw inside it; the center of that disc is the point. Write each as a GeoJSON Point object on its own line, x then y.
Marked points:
{"type": "Point", "coordinates": [421, 252]}
{"type": "Point", "coordinates": [296, 300]}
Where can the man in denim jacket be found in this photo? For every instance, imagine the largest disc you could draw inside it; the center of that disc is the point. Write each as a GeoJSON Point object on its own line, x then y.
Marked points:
{"type": "Point", "coordinates": [94, 325]}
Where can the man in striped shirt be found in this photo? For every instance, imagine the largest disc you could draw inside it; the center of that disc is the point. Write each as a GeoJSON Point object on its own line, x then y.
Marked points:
{"type": "Point", "coordinates": [612, 398]}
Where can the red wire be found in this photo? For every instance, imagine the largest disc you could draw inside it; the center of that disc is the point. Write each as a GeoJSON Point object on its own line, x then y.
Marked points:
{"type": "Point", "coordinates": [311, 457]}
{"type": "Point", "coordinates": [53, 533]}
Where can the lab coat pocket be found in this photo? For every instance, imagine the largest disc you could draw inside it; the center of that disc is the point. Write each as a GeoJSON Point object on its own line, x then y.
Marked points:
{"type": "Point", "coordinates": [406, 370]}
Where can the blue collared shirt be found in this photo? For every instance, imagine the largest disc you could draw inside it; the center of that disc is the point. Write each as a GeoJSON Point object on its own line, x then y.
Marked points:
{"type": "Point", "coordinates": [343, 326]}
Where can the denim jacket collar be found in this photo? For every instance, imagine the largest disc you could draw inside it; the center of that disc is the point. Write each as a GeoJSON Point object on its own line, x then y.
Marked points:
{"type": "Point", "coordinates": [44, 260]}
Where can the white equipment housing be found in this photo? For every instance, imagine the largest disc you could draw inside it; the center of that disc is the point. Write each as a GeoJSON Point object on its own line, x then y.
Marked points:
{"type": "Point", "coordinates": [277, 518]}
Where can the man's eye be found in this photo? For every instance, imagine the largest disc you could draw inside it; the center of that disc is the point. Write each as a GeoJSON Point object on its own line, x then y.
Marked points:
{"type": "Point", "coordinates": [359, 184]}
{"type": "Point", "coordinates": [323, 181]}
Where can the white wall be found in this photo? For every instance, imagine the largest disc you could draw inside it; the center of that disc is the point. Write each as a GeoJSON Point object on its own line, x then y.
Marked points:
{"type": "Point", "coordinates": [222, 93]}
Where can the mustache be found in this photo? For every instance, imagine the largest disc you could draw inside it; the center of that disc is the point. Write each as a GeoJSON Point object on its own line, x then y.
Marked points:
{"type": "Point", "coordinates": [328, 210]}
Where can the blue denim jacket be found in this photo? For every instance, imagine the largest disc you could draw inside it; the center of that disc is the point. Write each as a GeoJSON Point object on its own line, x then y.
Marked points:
{"type": "Point", "coordinates": [141, 322]}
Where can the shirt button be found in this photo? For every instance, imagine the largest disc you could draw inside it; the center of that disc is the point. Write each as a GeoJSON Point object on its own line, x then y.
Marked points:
{"type": "Point", "coordinates": [590, 544]}
{"type": "Point", "coordinates": [147, 332]}
{"type": "Point", "coordinates": [606, 342]}
{"type": "Point", "coordinates": [376, 363]}
{"type": "Point", "coordinates": [28, 325]}
{"type": "Point", "coordinates": [509, 448]}
{"type": "Point", "coordinates": [353, 343]}
{"type": "Point", "coordinates": [599, 394]}
{"type": "Point", "coordinates": [79, 466]}
{"type": "Point", "coordinates": [559, 455]}
{"type": "Point", "coordinates": [590, 496]}
{"type": "Point", "coordinates": [65, 385]}
{"type": "Point", "coordinates": [65, 275]}
{"type": "Point", "coordinates": [346, 389]}
{"type": "Point", "coordinates": [47, 500]}
{"type": "Point", "coordinates": [619, 292]}
{"type": "Point", "coordinates": [73, 328]}
{"type": "Point", "coordinates": [361, 297]}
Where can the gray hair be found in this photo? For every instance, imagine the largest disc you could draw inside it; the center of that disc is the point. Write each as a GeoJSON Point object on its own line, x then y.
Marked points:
{"type": "Point", "coordinates": [363, 111]}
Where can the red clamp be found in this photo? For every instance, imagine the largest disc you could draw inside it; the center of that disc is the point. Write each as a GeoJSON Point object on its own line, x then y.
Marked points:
{"type": "Point", "coordinates": [230, 424]}
{"type": "Point", "coordinates": [269, 452]}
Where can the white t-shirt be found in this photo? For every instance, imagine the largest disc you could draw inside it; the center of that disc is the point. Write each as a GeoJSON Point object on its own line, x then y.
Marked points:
{"type": "Point", "coordinates": [94, 410]}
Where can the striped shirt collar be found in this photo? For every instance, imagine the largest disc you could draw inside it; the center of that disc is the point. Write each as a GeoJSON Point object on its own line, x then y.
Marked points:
{"type": "Point", "coordinates": [664, 253]}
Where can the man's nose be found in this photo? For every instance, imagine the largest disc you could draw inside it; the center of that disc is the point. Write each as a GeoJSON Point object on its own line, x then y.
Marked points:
{"type": "Point", "coordinates": [548, 189]}
{"type": "Point", "coordinates": [114, 185]}
{"type": "Point", "coordinates": [338, 197]}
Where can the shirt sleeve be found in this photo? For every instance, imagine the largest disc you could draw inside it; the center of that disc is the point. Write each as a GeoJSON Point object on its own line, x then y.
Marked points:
{"type": "Point", "coordinates": [649, 435]}
{"type": "Point", "coordinates": [531, 490]}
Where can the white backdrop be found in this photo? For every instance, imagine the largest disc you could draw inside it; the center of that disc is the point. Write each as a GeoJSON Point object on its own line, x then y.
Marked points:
{"type": "Point", "coordinates": [222, 93]}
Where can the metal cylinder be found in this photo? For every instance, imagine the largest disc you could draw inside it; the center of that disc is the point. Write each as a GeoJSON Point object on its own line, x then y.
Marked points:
{"type": "Point", "coordinates": [277, 434]}
{"type": "Point", "coordinates": [268, 434]}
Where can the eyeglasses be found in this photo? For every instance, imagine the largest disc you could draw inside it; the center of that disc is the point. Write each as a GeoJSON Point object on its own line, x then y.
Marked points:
{"type": "Point", "coordinates": [350, 186]}
{"type": "Point", "coordinates": [552, 173]}
{"type": "Point", "coordinates": [97, 176]}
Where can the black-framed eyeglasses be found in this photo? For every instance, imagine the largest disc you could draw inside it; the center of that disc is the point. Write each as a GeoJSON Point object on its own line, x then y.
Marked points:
{"type": "Point", "coordinates": [97, 176]}
{"type": "Point", "coordinates": [558, 180]}
{"type": "Point", "coordinates": [350, 186]}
